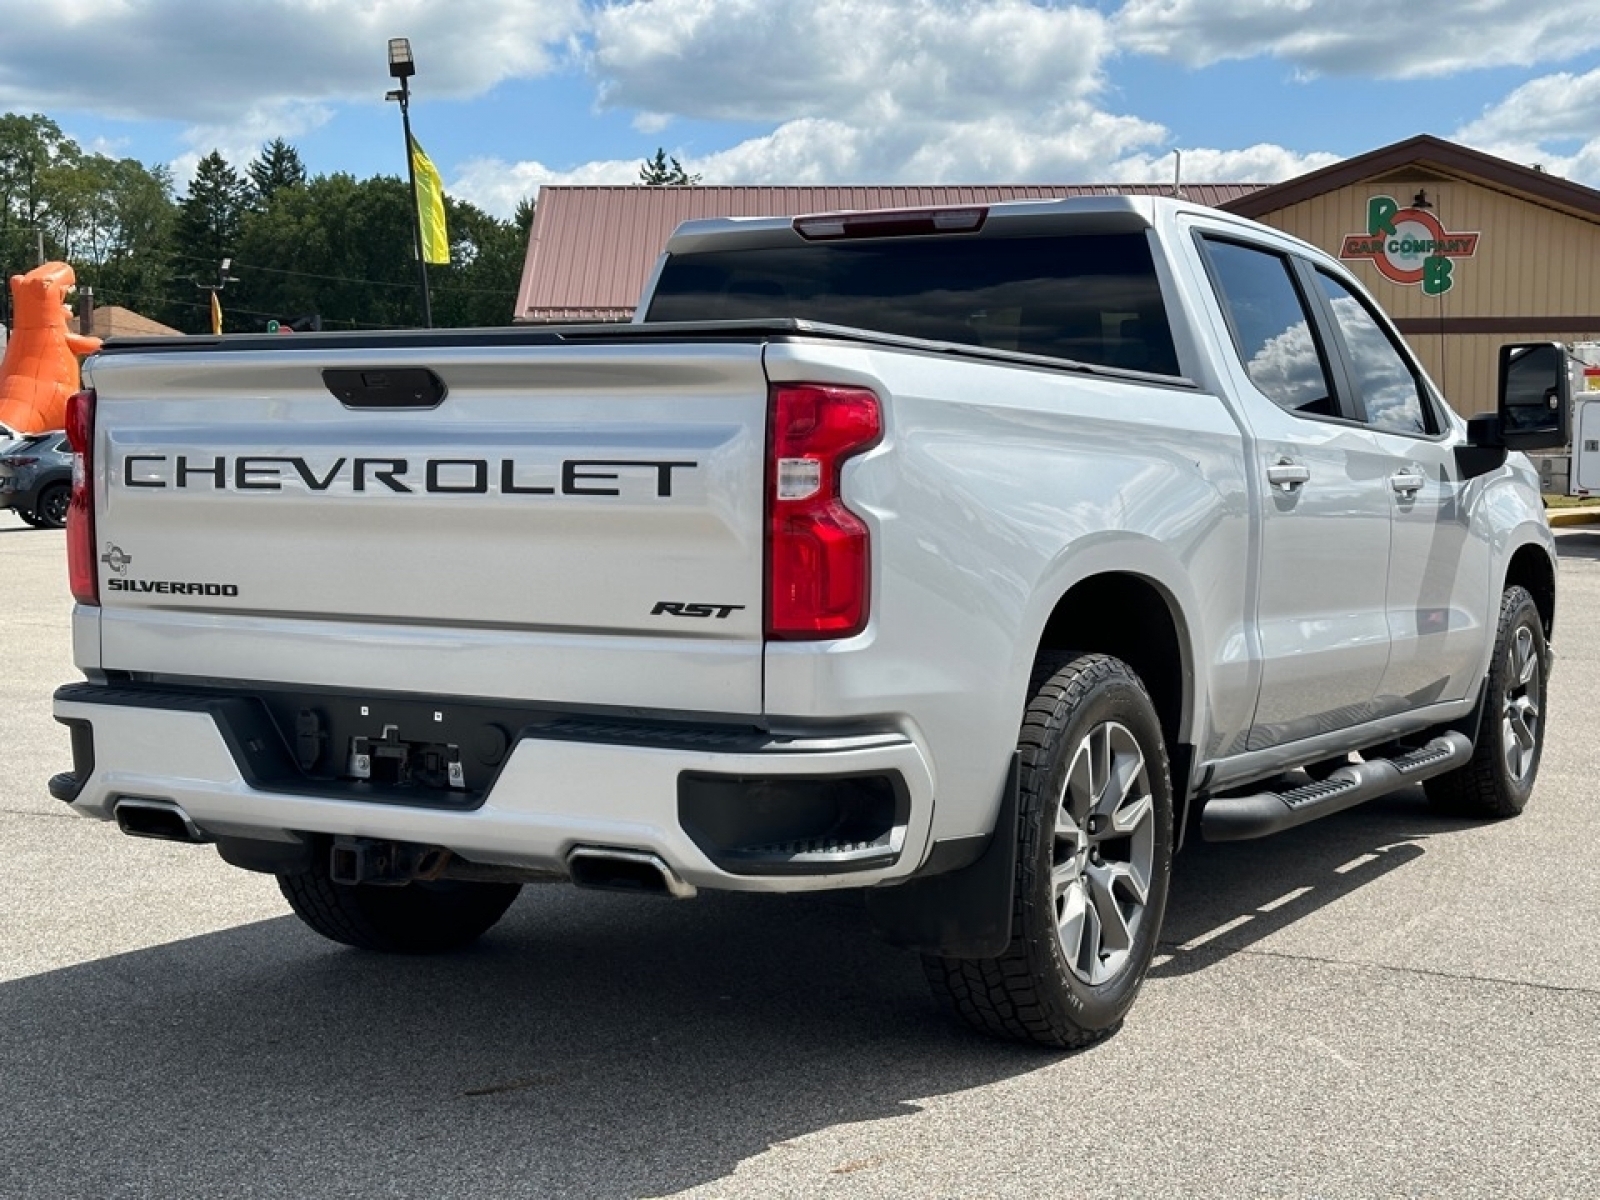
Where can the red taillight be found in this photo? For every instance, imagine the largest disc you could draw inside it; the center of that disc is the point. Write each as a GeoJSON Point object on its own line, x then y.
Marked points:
{"type": "Point", "coordinates": [82, 569]}
{"type": "Point", "coordinates": [818, 568]}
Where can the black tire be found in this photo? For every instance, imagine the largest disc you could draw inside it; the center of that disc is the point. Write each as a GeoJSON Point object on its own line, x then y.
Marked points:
{"type": "Point", "coordinates": [1498, 779]}
{"type": "Point", "coordinates": [418, 918]}
{"type": "Point", "coordinates": [1080, 705]}
{"type": "Point", "coordinates": [51, 510]}
{"type": "Point", "coordinates": [27, 515]}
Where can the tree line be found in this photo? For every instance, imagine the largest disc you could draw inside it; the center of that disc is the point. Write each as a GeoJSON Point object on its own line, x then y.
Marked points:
{"type": "Point", "coordinates": [332, 248]}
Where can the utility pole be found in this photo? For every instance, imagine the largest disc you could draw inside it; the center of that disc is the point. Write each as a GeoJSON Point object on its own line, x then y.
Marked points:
{"type": "Point", "coordinates": [223, 280]}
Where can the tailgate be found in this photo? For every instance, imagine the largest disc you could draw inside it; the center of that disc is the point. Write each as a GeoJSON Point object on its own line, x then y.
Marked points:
{"type": "Point", "coordinates": [576, 524]}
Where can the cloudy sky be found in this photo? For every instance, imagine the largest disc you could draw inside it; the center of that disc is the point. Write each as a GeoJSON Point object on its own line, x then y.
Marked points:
{"type": "Point", "coordinates": [511, 94]}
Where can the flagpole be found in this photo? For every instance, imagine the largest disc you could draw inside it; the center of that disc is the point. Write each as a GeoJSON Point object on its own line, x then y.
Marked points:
{"type": "Point", "coordinates": [402, 69]}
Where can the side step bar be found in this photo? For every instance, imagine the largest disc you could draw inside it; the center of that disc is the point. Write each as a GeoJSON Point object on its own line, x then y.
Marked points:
{"type": "Point", "coordinates": [1239, 818]}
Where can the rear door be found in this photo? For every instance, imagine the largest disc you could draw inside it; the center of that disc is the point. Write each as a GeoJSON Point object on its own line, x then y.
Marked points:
{"type": "Point", "coordinates": [572, 524]}
{"type": "Point", "coordinates": [1324, 504]}
{"type": "Point", "coordinates": [1440, 595]}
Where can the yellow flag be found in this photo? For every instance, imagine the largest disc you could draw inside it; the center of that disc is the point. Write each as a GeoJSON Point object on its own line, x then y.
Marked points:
{"type": "Point", "coordinates": [216, 314]}
{"type": "Point", "coordinates": [430, 206]}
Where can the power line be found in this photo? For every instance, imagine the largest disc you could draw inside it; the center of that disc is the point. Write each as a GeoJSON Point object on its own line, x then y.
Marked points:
{"type": "Point", "coordinates": [353, 279]}
{"type": "Point", "coordinates": [130, 299]}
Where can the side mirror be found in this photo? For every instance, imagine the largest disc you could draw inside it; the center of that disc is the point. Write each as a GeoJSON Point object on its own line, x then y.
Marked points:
{"type": "Point", "coordinates": [1535, 396]}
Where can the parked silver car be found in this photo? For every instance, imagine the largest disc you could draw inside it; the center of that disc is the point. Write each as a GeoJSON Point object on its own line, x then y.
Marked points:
{"type": "Point", "coordinates": [36, 478]}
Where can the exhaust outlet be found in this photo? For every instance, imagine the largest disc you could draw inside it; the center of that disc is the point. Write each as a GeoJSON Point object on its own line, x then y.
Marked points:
{"type": "Point", "coordinates": [159, 819]}
{"type": "Point", "coordinates": [637, 871]}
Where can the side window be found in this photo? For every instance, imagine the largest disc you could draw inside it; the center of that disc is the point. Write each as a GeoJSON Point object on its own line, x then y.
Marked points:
{"type": "Point", "coordinates": [1390, 390]}
{"type": "Point", "coordinates": [1271, 328]}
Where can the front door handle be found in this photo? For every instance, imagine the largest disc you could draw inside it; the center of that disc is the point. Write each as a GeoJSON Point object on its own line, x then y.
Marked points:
{"type": "Point", "coordinates": [1287, 474]}
{"type": "Point", "coordinates": [1406, 483]}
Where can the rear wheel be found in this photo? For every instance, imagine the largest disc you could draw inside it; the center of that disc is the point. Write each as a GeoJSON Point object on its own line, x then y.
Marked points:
{"type": "Point", "coordinates": [417, 918]}
{"type": "Point", "coordinates": [1498, 779]}
{"type": "Point", "coordinates": [28, 516]}
{"type": "Point", "coordinates": [1094, 857]}
{"type": "Point", "coordinates": [51, 510]}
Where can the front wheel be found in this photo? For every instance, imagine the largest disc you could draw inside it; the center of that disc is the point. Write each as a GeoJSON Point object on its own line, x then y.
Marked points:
{"type": "Point", "coordinates": [423, 917]}
{"type": "Point", "coordinates": [1498, 779]}
{"type": "Point", "coordinates": [1094, 857]}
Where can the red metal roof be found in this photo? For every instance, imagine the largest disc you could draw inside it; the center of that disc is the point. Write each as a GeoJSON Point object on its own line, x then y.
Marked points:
{"type": "Point", "coordinates": [592, 248]}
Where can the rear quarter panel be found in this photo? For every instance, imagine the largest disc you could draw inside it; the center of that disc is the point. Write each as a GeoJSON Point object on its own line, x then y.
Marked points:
{"type": "Point", "coordinates": [996, 488]}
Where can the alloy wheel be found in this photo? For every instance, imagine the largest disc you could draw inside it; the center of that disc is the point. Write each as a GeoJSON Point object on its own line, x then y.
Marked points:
{"type": "Point", "coordinates": [1519, 723]}
{"type": "Point", "coordinates": [1104, 852]}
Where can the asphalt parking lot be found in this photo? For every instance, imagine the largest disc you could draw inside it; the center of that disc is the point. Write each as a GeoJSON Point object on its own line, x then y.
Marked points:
{"type": "Point", "coordinates": [1385, 1003]}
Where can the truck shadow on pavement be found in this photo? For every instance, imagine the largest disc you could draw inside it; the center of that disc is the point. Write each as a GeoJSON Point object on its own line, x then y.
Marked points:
{"type": "Point", "coordinates": [1226, 898]}
{"type": "Point", "coordinates": [590, 1046]}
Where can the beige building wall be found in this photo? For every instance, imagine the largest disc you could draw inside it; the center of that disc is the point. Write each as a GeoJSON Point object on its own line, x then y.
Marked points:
{"type": "Point", "coordinates": [1535, 275]}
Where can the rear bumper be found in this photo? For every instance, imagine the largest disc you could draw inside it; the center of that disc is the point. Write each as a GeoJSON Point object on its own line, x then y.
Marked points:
{"type": "Point", "coordinates": [561, 786]}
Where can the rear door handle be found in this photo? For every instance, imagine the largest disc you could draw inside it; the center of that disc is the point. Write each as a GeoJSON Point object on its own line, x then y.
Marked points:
{"type": "Point", "coordinates": [1406, 483]}
{"type": "Point", "coordinates": [1287, 474]}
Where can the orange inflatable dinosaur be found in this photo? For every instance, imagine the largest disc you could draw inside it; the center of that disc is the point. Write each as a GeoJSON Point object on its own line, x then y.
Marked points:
{"type": "Point", "coordinates": [40, 369]}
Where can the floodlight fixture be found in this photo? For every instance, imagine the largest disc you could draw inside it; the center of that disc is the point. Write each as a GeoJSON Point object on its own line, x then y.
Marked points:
{"type": "Point", "coordinates": [401, 64]}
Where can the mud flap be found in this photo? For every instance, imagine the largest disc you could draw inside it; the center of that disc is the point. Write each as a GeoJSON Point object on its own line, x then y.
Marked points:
{"type": "Point", "coordinates": [964, 912]}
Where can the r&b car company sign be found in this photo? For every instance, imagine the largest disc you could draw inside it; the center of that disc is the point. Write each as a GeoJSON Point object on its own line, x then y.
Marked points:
{"type": "Point", "coordinates": [1409, 246]}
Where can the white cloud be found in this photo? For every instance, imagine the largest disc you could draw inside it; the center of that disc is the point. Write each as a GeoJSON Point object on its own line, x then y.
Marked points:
{"type": "Point", "coordinates": [651, 122]}
{"type": "Point", "coordinates": [497, 186]}
{"type": "Point", "coordinates": [856, 60]}
{"type": "Point", "coordinates": [1374, 38]}
{"type": "Point", "coordinates": [1551, 122]}
{"type": "Point", "coordinates": [173, 59]}
{"type": "Point", "coordinates": [846, 91]}
{"type": "Point", "coordinates": [240, 140]}
{"type": "Point", "coordinates": [1261, 163]}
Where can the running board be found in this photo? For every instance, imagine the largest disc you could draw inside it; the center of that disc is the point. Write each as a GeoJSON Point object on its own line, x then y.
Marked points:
{"type": "Point", "coordinates": [1239, 818]}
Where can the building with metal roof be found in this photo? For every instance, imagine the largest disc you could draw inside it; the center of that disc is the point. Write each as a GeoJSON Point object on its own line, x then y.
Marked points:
{"type": "Point", "coordinates": [1464, 250]}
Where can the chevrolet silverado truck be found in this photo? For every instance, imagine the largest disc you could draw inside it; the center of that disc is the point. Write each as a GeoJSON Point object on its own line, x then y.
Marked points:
{"type": "Point", "coordinates": [971, 558]}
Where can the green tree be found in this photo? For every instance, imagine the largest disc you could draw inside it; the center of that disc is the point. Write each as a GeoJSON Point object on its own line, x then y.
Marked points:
{"type": "Point", "coordinates": [211, 215]}
{"type": "Point", "coordinates": [661, 171]}
{"type": "Point", "coordinates": [33, 150]}
{"type": "Point", "coordinates": [136, 216]}
{"type": "Point", "coordinates": [342, 249]}
{"type": "Point", "coordinates": [479, 286]}
{"type": "Point", "coordinates": [277, 166]}
{"type": "Point", "coordinates": [332, 246]}
{"type": "Point", "coordinates": [210, 219]}
{"type": "Point", "coordinates": [523, 217]}
{"type": "Point", "coordinates": [338, 247]}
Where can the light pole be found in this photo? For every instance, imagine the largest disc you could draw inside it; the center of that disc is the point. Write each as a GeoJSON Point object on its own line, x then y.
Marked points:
{"type": "Point", "coordinates": [402, 67]}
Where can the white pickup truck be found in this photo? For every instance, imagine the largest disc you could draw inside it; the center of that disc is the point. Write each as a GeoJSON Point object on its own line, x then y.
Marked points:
{"type": "Point", "coordinates": [968, 557]}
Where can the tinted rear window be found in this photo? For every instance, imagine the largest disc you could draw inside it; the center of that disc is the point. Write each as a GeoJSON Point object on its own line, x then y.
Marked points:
{"type": "Point", "coordinates": [1094, 298]}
